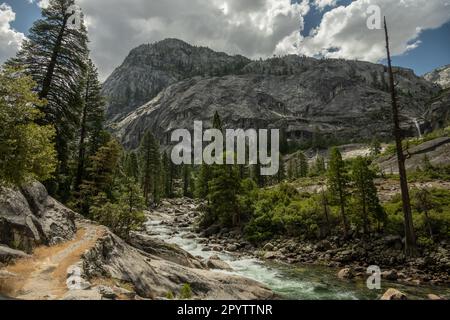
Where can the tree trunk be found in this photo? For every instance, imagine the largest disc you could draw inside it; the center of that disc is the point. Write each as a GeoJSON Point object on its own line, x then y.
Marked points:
{"type": "Point", "coordinates": [52, 65]}
{"type": "Point", "coordinates": [410, 237]}
{"type": "Point", "coordinates": [82, 147]}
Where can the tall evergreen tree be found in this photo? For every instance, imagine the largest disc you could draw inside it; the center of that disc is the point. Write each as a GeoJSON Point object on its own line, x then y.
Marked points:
{"type": "Point", "coordinates": [167, 176]}
{"type": "Point", "coordinates": [303, 167]}
{"type": "Point", "coordinates": [150, 168]}
{"type": "Point", "coordinates": [207, 171]}
{"type": "Point", "coordinates": [338, 184]}
{"type": "Point", "coordinates": [101, 175]}
{"type": "Point", "coordinates": [187, 181]}
{"type": "Point", "coordinates": [223, 196]}
{"type": "Point", "coordinates": [366, 192]}
{"type": "Point", "coordinates": [54, 55]}
{"type": "Point", "coordinates": [91, 123]}
{"type": "Point", "coordinates": [282, 170]}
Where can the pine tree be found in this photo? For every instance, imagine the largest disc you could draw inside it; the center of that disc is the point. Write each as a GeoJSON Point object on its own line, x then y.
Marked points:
{"type": "Point", "coordinates": [282, 170]}
{"type": "Point", "coordinates": [303, 167]}
{"type": "Point", "coordinates": [186, 181]}
{"type": "Point", "coordinates": [423, 203]}
{"type": "Point", "coordinates": [167, 176]}
{"type": "Point", "coordinates": [293, 169]}
{"type": "Point", "coordinates": [366, 192]}
{"type": "Point", "coordinates": [319, 167]}
{"type": "Point", "coordinates": [91, 123]}
{"type": "Point", "coordinates": [54, 55]}
{"type": "Point", "coordinates": [207, 172]}
{"type": "Point", "coordinates": [255, 174]}
{"type": "Point", "coordinates": [101, 175]}
{"type": "Point", "coordinates": [132, 166]}
{"type": "Point", "coordinates": [201, 186]}
{"type": "Point", "coordinates": [375, 147]}
{"type": "Point", "coordinates": [338, 184]}
{"type": "Point", "coordinates": [223, 196]}
{"type": "Point", "coordinates": [150, 168]}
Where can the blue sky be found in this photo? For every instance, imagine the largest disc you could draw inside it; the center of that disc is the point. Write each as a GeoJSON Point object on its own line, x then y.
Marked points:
{"type": "Point", "coordinates": [433, 52]}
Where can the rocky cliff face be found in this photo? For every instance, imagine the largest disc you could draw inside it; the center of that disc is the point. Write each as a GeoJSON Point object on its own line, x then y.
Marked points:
{"type": "Point", "coordinates": [29, 217]}
{"type": "Point", "coordinates": [150, 68]}
{"type": "Point", "coordinates": [440, 76]}
{"type": "Point", "coordinates": [343, 100]}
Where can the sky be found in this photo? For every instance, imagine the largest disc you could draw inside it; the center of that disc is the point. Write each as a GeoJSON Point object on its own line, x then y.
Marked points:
{"type": "Point", "coordinates": [419, 29]}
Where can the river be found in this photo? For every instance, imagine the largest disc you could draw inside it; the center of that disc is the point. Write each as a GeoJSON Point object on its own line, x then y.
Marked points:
{"type": "Point", "coordinates": [292, 282]}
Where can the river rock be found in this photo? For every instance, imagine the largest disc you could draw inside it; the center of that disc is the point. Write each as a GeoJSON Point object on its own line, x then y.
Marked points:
{"type": "Point", "coordinates": [433, 297]}
{"type": "Point", "coordinates": [8, 255]}
{"type": "Point", "coordinates": [215, 262]}
{"type": "Point", "coordinates": [271, 255]}
{"type": "Point", "coordinates": [232, 248]}
{"type": "Point", "coordinates": [163, 250]}
{"type": "Point", "coordinates": [345, 274]}
{"type": "Point", "coordinates": [390, 275]}
{"type": "Point", "coordinates": [393, 294]}
{"type": "Point", "coordinates": [107, 292]}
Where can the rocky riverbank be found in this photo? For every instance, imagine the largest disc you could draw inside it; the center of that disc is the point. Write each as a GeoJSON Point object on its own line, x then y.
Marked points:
{"type": "Point", "coordinates": [49, 252]}
{"type": "Point", "coordinates": [352, 256]}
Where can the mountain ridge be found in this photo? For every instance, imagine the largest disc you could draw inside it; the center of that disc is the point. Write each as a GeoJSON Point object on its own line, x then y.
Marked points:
{"type": "Point", "coordinates": [345, 100]}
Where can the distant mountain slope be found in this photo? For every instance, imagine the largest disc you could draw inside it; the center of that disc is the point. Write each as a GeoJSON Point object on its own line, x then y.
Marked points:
{"type": "Point", "coordinates": [440, 76]}
{"type": "Point", "coordinates": [150, 68]}
{"type": "Point", "coordinates": [343, 100]}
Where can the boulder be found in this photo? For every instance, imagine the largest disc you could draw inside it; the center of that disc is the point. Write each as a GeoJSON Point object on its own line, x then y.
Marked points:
{"type": "Point", "coordinates": [268, 247]}
{"type": "Point", "coordinates": [154, 277]}
{"type": "Point", "coordinates": [57, 221]}
{"type": "Point", "coordinates": [29, 217]}
{"type": "Point", "coordinates": [215, 262]}
{"type": "Point", "coordinates": [393, 294]}
{"type": "Point", "coordinates": [390, 275]}
{"type": "Point", "coordinates": [345, 274]}
{"type": "Point", "coordinates": [8, 255]}
{"type": "Point", "coordinates": [170, 252]}
{"type": "Point", "coordinates": [433, 297]}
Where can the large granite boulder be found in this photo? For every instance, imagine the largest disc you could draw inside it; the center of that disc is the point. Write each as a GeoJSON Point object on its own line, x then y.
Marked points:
{"type": "Point", "coordinates": [30, 217]}
{"type": "Point", "coordinates": [154, 277]}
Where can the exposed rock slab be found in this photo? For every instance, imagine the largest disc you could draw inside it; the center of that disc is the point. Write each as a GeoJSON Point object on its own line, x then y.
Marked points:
{"type": "Point", "coordinates": [437, 151]}
{"type": "Point", "coordinates": [153, 277]}
{"type": "Point", "coordinates": [30, 217]}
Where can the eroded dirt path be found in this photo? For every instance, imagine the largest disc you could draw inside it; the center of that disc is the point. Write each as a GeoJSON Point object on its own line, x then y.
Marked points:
{"type": "Point", "coordinates": [44, 275]}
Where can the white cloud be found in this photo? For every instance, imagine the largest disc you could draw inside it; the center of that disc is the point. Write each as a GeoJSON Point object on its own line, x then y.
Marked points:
{"type": "Point", "coordinates": [10, 39]}
{"type": "Point", "coordinates": [343, 32]}
{"type": "Point", "coordinates": [255, 28]}
{"type": "Point", "coordinates": [321, 4]}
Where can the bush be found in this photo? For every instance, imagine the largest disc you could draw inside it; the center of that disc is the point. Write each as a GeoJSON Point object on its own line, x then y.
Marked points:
{"type": "Point", "coordinates": [119, 217]}
{"type": "Point", "coordinates": [26, 149]}
{"type": "Point", "coordinates": [186, 292]}
{"type": "Point", "coordinates": [438, 211]}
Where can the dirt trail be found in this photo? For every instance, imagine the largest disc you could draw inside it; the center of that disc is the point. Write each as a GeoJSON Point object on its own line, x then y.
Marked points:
{"type": "Point", "coordinates": [44, 275]}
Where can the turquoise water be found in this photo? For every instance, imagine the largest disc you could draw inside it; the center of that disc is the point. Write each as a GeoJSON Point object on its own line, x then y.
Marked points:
{"type": "Point", "coordinates": [293, 282]}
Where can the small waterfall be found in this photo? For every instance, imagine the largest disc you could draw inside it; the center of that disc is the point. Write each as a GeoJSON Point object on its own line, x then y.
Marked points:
{"type": "Point", "coordinates": [417, 124]}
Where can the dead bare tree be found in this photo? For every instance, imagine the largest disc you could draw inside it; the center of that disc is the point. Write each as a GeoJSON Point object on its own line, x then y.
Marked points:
{"type": "Point", "coordinates": [410, 236]}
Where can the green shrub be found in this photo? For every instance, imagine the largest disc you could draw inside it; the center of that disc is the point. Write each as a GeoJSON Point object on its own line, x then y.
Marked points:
{"type": "Point", "coordinates": [186, 292]}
